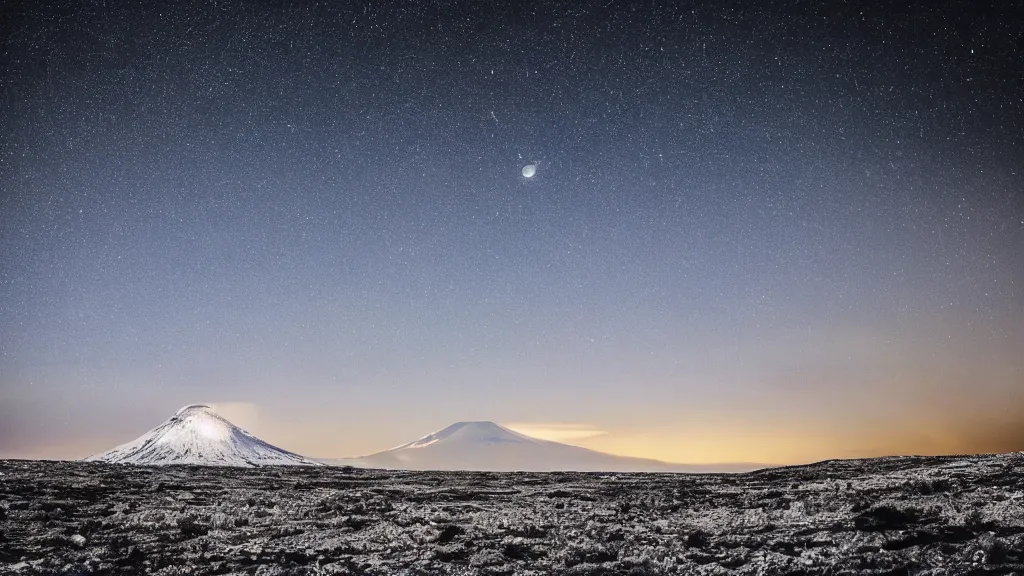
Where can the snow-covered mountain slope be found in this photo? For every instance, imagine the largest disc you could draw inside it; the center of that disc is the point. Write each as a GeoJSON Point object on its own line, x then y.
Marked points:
{"type": "Point", "coordinates": [197, 435]}
{"type": "Point", "coordinates": [486, 446]}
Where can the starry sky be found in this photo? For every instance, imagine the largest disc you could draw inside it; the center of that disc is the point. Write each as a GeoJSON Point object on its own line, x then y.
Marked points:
{"type": "Point", "coordinates": [757, 231]}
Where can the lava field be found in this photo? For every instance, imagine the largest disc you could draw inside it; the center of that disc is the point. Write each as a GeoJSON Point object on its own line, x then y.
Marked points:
{"type": "Point", "coordinates": [907, 515]}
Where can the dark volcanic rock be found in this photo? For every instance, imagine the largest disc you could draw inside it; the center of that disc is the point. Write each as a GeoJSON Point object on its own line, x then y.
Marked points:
{"type": "Point", "coordinates": [520, 551]}
{"type": "Point", "coordinates": [697, 539]}
{"type": "Point", "coordinates": [888, 516]}
{"type": "Point", "coordinates": [449, 533]}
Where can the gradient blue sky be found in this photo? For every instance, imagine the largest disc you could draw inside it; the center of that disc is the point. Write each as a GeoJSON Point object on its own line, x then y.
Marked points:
{"type": "Point", "coordinates": [771, 232]}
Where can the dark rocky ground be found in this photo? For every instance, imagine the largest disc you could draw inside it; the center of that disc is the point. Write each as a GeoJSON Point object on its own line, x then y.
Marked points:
{"type": "Point", "coordinates": [961, 515]}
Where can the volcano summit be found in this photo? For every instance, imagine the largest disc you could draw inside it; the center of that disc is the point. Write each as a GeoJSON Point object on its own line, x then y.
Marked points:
{"type": "Point", "coordinates": [197, 435]}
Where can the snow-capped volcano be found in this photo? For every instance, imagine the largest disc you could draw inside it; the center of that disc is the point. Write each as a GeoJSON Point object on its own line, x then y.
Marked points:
{"type": "Point", "coordinates": [486, 446]}
{"type": "Point", "coordinates": [197, 435]}
{"type": "Point", "coordinates": [471, 433]}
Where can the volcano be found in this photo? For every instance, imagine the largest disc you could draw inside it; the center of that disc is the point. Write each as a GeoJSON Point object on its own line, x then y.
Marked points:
{"type": "Point", "coordinates": [490, 447]}
{"type": "Point", "coordinates": [197, 435]}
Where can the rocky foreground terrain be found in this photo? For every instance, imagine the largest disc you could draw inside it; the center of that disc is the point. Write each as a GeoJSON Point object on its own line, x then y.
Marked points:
{"type": "Point", "coordinates": [962, 515]}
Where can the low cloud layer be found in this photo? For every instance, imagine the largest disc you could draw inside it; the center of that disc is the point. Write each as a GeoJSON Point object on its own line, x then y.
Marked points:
{"type": "Point", "coordinates": [556, 432]}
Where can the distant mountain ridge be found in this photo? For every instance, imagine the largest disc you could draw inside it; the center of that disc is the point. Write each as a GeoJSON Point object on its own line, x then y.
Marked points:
{"type": "Point", "coordinates": [197, 435]}
{"type": "Point", "coordinates": [490, 447]}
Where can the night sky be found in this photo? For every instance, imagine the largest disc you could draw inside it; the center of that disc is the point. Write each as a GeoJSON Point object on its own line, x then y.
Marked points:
{"type": "Point", "coordinates": [768, 232]}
